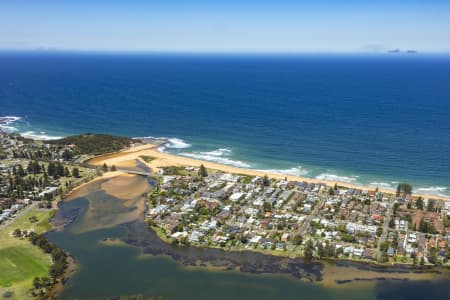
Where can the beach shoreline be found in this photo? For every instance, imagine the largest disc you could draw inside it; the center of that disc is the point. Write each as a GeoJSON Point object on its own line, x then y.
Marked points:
{"type": "Point", "coordinates": [163, 159]}
{"type": "Point", "coordinates": [356, 180]}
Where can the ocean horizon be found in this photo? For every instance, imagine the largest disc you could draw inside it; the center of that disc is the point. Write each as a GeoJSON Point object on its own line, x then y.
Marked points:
{"type": "Point", "coordinates": [363, 119]}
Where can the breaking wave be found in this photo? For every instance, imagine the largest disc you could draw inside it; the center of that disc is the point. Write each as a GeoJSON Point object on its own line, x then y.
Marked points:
{"type": "Point", "coordinates": [40, 136]}
{"type": "Point", "coordinates": [334, 177]}
{"type": "Point", "coordinates": [6, 121]}
{"type": "Point", "coordinates": [383, 185]}
{"type": "Point", "coordinates": [218, 156]}
{"type": "Point", "coordinates": [176, 143]}
{"type": "Point", "coordinates": [432, 190]}
{"type": "Point", "coordinates": [167, 143]}
{"type": "Point", "coordinates": [294, 171]}
{"type": "Point", "coordinates": [219, 152]}
{"type": "Point", "coordinates": [5, 125]}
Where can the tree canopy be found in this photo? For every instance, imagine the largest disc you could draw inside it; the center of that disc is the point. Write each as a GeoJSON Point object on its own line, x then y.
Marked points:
{"type": "Point", "coordinates": [202, 171]}
{"type": "Point", "coordinates": [75, 172]}
{"type": "Point", "coordinates": [404, 188]}
{"type": "Point", "coordinates": [94, 143]}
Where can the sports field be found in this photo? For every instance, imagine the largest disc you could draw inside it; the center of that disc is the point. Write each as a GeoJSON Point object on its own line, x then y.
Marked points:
{"type": "Point", "coordinates": [20, 261]}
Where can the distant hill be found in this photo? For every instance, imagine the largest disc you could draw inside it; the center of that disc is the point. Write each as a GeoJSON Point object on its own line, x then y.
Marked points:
{"type": "Point", "coordinates": [90, 143]}
{"type": "Point", "coordinates": [395, 51]}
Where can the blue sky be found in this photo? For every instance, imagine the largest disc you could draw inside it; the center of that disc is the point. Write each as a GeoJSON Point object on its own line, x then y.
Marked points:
{"type": "Point", "coordinates": [226, 26]}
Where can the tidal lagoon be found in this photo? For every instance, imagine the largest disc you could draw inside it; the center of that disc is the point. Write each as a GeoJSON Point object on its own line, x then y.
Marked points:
{"type": "Point", "coordinates": [103, 228]}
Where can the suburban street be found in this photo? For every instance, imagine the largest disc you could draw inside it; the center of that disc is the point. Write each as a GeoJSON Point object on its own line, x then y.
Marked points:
{"type": "Point", "coordinates": [306, 224]}
{"type": "Point", "coordinates": [385, 226]}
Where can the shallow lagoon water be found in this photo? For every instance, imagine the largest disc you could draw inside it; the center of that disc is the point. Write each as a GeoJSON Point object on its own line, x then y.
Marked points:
{"type": "Point", "coordinates": [123, 258]}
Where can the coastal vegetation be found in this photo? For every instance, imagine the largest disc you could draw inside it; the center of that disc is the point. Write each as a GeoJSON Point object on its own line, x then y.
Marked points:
{"type": "Point", "coordinates": [41, 285]}
{"type": "Point", "coordinates": [76, 172]}
{"type": "Point", "coordinates": [94, 144]}
{"type": "Point", "coordinates": [404, 189]}
{"type": "Point", "coordinates": [147, 158]}
{"type": "Point", "coordinates": [202, 171]}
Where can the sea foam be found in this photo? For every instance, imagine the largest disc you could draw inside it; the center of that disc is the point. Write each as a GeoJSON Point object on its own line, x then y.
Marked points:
{"type": "Point", "coordinates": [176, 143]}
{"type": "Point", "coordinates": [167, 142]}
{"type": "Point", "coordinates": [432, 190]}
{"type": "Point", "coordinates": [6, 121]}
{"type": "Point", "coordinates": [334, 177]}
{"type": "Point", "coordinates": [5, 124]}
{"type": "Point", "coordinates": [294, 171]}
{"type": "Point", "coordinates": [384, 185]}
{"type": "Point", "coordinates": [42, 136]}
{"type": "Point", "coordinates": [218, 155]}
{"type": "Point", "coordinates": [219, 152]}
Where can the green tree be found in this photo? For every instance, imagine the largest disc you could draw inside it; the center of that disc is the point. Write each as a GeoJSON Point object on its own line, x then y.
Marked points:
{"type": "Point", "coordinates": [297, 239]}
{"type": "Point", "coordinates": [37, 283]}
{"type": "Point", "coordinates": [391, 223]}
{"type": "Point", "coordinates": [113, 168]}
{"type": "Point", "coordinates": [33, 219]}
{"type": "Point", "coordinates": [59, 171]}
{"type": "Point", "coordinates": [379, 231]}
{"type": "Point", "coordinates": [419, 203]}
{"type": "Point", "coordinates": [30, 167]}
{"type": "Point", "coordinates": [404, 189]}
{"type": "Point", "coordinates": [17, 232]}
{"type": "Point", "coordinates": [20, 171]}
{"type": "Point", "coordinates": [51, 169]}
{"type": "Point", "coordinates": [75, 172]}
{"type": "Point", "coordinates": [266, 180]}
{"type": "Point", "coordinates": [331, 191]}
{"type": "Point", "coordinates": [267, 206]}
{"type": "Point", "coordinates": [67, 155]}
{"type": "Point", "coordinates": [105, 167]}
{"type": "Point", "coordinates": [309, 250]}
{"type": "Point", "coordinates": [321, 251]}
{"type": "Point", "coordinates": [66, 172]}
{"type": "Point", "coordinates": [202, 171]}
{"type": "Point", "coordinates": [431, 205]}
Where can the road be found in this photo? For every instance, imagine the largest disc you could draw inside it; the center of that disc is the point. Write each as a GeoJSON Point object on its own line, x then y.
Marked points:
{"type": "Point", "coordinates": [385, 226]}
{"type": "Point", "coordinates": [307, 223]}
{"type": "Point", "coordinates": [18, 215]}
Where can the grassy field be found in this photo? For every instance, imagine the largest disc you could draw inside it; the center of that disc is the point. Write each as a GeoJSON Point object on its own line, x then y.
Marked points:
{"type": "Point", "coordinates": [20, 261]}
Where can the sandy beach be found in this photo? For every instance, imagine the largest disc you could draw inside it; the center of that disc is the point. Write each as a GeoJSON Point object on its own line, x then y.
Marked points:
{"type": "Point", "coordinates": [162, 159]}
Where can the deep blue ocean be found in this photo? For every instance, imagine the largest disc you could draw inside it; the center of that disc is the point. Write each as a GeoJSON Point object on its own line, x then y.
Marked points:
{"type": "Point", "coordinates": [365, 119]}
